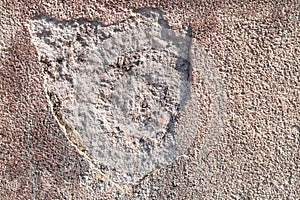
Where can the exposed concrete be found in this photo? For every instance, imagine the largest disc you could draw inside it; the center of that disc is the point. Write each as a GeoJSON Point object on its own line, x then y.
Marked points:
{"type": "Point", "coordinates": [125, 94]}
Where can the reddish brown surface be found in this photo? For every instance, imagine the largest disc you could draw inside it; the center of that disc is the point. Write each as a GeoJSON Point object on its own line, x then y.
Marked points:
{"type": "Point", "coordinates": [36, 160]}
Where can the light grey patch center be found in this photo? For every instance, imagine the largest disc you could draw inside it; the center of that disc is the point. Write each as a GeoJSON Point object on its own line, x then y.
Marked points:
{"type": "Point", "coordinates": [122, 91]}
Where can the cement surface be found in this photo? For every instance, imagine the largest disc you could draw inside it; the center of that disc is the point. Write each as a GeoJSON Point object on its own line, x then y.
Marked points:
{"type": "Point", "coordinates": [85, 113]}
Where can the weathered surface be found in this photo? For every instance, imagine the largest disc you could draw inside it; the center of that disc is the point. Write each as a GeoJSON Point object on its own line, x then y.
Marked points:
{"type": "Point", "coordinates": [255, 48]}
{"type": "Point", "coordinates": [118, 90]}
{"type": "Point", "coordinates": [124, 94]}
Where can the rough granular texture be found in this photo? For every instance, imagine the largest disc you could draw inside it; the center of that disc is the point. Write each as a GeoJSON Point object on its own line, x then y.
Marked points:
{"type": "Point", "coordinates": [254, 47]}
{"type": "Point", "coordinates": [120, 92]}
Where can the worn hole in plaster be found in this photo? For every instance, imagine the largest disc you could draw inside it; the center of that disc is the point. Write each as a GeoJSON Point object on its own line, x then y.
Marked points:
{"type": "Point", "coordinates": [125, 92]}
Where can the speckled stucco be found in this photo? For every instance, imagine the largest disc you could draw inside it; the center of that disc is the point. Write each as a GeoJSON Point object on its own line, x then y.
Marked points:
{"type": "Point", "coordinates": [255, 47]}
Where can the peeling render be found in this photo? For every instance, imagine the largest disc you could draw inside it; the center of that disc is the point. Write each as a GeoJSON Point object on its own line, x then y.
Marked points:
{"type": "Point", "coordinates": [124, 94]}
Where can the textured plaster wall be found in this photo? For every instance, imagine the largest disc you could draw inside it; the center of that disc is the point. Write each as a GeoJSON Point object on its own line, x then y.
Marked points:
{"type": "Point", "coordinates": [253, 46]}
